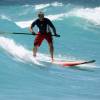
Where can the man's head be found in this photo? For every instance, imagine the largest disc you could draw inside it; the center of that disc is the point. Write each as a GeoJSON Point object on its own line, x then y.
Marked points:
{"type": "Point", "coordinates": [40, 15]}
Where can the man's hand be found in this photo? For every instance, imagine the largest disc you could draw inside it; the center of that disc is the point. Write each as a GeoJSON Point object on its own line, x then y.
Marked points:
{"type": "Point", "coordinates": [33, 33]}
{"type": "Point", "coordinates": [57, 35]}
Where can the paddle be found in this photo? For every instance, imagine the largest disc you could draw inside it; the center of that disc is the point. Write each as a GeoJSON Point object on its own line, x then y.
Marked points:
{"type": "Point", "coordinates": [24, 33]}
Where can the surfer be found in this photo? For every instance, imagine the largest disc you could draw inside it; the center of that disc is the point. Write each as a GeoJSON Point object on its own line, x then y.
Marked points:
{"type": "Point", "coordinates": [44, 25]}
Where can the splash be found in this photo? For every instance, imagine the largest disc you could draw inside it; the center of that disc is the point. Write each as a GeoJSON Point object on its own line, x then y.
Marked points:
{"type": "Point", "coordinates": [20, 53]}
{"type": "Point", "coordinates": [17, 51]}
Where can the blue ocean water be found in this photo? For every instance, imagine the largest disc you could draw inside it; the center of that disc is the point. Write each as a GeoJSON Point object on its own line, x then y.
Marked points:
{"type": "Point", "coordinates": [22, 77]}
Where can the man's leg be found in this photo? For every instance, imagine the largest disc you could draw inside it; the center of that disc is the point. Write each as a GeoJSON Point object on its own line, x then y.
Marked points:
{"type": "Point", "coordinates": [34, 51]}
{"type": "Point", "coordinates": [51, 48]}
{"type": "Point", "coordinates": [49, 39]}
{"type": "Point", "coordinates": [37, 42]}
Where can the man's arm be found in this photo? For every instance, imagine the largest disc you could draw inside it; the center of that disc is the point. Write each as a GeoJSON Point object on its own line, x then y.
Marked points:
{"type": "Point", "coordinates": [52, 26]}
{"type": "Point", "coordinates": [31, 27]}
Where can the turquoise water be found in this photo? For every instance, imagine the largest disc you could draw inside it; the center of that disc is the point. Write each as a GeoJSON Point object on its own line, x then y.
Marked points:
{"type": "Point", "coordinates": [22, 77]}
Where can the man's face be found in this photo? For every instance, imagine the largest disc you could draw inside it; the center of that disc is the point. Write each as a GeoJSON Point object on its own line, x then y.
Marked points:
{"type": "Point", "coordinates": [41, 16]}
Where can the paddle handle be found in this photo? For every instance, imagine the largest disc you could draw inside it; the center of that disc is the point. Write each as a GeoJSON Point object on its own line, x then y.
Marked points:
{"type": "Point", "coordinates": [34, 34]}
{"type": "Point", "coordinates": [25, 33]}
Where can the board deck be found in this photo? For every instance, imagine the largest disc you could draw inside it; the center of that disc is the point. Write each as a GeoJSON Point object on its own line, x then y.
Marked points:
{"type": "Point", "coordinates": [72, 63]}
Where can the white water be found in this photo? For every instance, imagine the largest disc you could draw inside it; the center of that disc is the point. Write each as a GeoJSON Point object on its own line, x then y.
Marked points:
{"type": "Point", "coordinates": [20, 53]}
{"type": "Point", "coordinates": [91, 15]}
{"type": "Point", "coordinates": [2, 16]}
{"type": "Point", "coordinates": [42, 6]}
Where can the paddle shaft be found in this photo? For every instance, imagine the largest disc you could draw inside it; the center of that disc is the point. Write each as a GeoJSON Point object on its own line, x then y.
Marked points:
{"type": "Point", "coordinates": [26, 34]}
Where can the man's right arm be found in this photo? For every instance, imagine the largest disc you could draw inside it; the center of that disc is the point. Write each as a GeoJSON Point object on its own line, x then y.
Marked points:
{"type": "Point", "coordinates": [31, 27]}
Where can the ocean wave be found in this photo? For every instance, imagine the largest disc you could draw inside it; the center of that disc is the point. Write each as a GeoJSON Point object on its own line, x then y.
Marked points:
{"type": "Point", "coordinates": [18, 52]}
{"type": "Point", "coordinates": [25, 24]}
{"type": "Point", "coordinates": [91, 15]}
{"type": "Point", "coordinates": [29, 2]}
{"type": "Point", "coordinates": [2, 16]}
{"type": "Point", "coordinates": [42, 6]}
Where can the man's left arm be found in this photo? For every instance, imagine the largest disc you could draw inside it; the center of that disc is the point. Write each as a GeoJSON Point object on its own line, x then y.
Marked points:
{"type": "Point", "coordinates": [53, 27]}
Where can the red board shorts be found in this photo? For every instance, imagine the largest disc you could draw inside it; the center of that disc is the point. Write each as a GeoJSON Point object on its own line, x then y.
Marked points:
{"type": "Point", "coordinates": [40, 37]}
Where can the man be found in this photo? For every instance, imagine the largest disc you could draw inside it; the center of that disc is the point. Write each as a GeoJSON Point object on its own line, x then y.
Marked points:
{"type": "Point", "coordinates": [44, 25]}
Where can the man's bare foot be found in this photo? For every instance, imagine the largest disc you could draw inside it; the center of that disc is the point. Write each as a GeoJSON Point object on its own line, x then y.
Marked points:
{"type": "Point", "coordinates": [52, 60]}
{"type": "Point", "coordinates": [34, 55]}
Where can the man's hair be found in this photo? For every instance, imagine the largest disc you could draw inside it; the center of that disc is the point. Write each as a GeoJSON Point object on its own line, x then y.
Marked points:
{"type": "Point", "coordinates": [40, 13]}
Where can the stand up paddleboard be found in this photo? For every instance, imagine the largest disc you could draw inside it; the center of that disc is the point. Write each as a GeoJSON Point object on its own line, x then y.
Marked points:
{"type": "Point", "coordinates": [72, 63]}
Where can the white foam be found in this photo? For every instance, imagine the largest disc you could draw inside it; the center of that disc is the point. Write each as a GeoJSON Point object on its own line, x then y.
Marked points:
{"type": "Point", "coordinates": [42, 6]}
{"type": "Point", "coordinates": [87, 66]}
{"type": "Point", "coordinates": [56, 17]}
{"type": "Point", "coordinates": [2, 16]}
{"type": "Point", "coordinates": [18, 52]}
{"type": "Point", "coordinates": [24, 24]}
{"type": "Point", "coordinates": [56, 4]}
{"type": "Point", "coordinates": [90, 14]}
